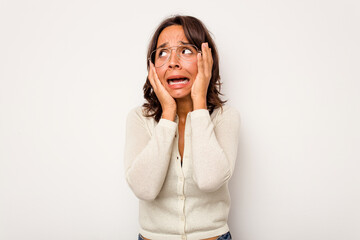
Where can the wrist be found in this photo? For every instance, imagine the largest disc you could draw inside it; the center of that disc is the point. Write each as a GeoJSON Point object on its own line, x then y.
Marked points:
{"type": "Point", "coordinates": [169, 114]}
{"type": "Point", "coordinates": [199, 103]}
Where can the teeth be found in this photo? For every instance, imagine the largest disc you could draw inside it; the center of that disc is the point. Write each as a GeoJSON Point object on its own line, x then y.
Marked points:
{"type": "Point", "coordinates": [178, 82]}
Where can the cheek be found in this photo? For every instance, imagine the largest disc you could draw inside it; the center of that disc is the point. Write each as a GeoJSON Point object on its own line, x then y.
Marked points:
{"type": "Point", "coordinates": [192, 68]}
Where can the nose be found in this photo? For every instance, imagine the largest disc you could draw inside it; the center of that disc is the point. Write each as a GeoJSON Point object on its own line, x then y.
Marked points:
{"type": "Point", "coordinates": [174, 60]}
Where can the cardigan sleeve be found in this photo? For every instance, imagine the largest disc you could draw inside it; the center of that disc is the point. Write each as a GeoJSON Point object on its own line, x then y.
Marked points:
{"type": "Point", "coordinates": [214, 148]}
{"type": "Point", "coordinates": [147, 154]}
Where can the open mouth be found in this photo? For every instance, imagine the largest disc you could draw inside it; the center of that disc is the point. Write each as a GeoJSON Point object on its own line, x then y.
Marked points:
{"type": "Point", "coordinates": [173, 81]}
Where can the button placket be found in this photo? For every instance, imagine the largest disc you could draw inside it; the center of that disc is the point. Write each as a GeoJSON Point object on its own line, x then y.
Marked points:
{"type": "Point", "coordinates": [181, 182]}
{"type": "Point", "coordinates": [181, 202]}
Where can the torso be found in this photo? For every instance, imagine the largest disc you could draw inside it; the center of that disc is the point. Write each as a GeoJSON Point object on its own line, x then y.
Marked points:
{"type": "Point", "coordinates": [181, 139]}
{"type": "Point", "coordinates": [213, 238]}
{"type": "Point", "coordinates": [181, 130]}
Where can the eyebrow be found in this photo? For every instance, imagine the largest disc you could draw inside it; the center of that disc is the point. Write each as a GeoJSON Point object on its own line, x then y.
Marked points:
{"type": "Point", "coordinates": [184, 43]}
{"type": "Point", "coordinates": [165, 44]}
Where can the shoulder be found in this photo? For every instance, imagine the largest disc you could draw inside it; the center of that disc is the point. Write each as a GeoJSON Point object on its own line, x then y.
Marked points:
{"type": "Point", "coordinates": [226, 112]}
{"type": "Point", "coordinates": [137, 116]}
{"type": "Point", "coordinates": [137, 112]}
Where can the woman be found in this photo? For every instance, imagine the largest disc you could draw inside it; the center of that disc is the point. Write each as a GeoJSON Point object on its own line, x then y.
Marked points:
{"type": "Point", "coordinates": [181, 145]}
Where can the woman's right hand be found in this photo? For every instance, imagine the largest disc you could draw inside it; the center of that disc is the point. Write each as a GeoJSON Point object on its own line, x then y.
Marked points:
{"type": "Point", "coordinates": [167, 102]}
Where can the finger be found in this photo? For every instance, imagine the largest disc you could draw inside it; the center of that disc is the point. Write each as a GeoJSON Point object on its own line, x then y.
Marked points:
{"type": "Point", "coordinates": [151, 76]}
{"type": "Point", "coordinates": [156, 78]}
{"type": "Point", "coordinates": [208, 62]}
{"type": "Point", "coordinates": [210, 56]}
{"type": "Point", "coordinates": [204, 51]}
{"type": "Point", "coordinates": [200, 64]}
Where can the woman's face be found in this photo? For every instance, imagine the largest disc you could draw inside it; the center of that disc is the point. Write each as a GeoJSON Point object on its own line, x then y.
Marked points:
{"type": "Point", "coordinates": [177, 75]}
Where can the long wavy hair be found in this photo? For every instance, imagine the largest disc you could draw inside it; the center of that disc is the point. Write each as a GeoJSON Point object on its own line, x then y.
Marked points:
{"type": "Point", "coordinates": [196, 32]}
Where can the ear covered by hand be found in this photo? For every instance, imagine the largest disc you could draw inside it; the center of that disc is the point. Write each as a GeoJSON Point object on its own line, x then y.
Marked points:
{"type": "Point", "coordinates": [201, 83]}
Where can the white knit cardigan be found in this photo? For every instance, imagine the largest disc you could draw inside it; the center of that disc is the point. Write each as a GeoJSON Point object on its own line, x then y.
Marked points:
{"type": "Point", "coordinates": [189, 201]}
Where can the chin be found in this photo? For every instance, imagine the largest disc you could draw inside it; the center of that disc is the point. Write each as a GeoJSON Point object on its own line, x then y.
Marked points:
{"type": "Point", "coordinates": [181, 95]}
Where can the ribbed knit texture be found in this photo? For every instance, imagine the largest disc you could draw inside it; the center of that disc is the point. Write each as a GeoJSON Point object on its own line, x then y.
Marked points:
{"type": "Point", "coordinates": [177, 202]}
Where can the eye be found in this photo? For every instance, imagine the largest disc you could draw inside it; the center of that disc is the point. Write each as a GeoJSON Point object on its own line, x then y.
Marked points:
{"type": "Point", "coordinates": [162, 53]}
{"type": "Point", "coordinates": [187, 51]}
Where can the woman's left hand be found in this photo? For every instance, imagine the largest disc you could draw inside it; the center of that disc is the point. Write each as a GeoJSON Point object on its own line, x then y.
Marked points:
{"type": "Point", "coordinates": [202, 80]}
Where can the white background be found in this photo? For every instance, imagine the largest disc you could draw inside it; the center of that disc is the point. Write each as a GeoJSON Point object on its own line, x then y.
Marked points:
{"type": "Point", "coordinates": [71, 70]}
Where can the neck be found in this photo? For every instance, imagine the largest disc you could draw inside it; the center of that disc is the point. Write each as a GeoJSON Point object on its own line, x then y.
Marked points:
{"type": "Point", "coordinates": [184, 106]}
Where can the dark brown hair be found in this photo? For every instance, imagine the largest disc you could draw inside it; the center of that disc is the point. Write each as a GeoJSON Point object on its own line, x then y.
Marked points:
{"type": "Point", "coordinates": [196, 32]}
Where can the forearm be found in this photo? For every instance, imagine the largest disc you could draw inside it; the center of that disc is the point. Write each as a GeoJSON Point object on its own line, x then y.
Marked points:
{"type": "Point", "coordinates": [146, 170]}
{"type": "Point", "coordinates": [213, 150]}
